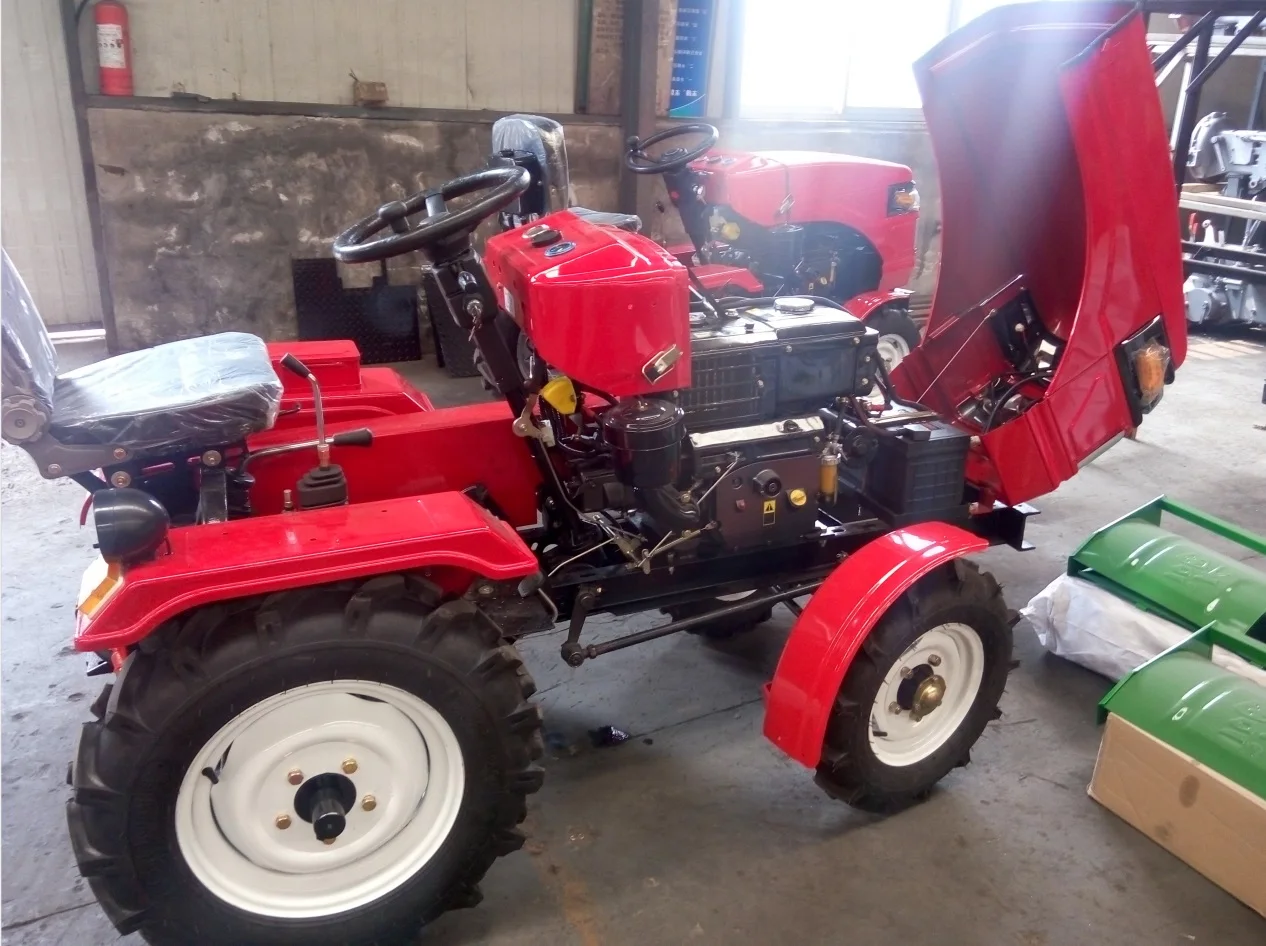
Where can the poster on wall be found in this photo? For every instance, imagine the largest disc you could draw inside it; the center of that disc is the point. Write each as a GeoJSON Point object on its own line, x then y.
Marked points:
{"type": "Point", "coordinates": [606, 51]}
{"type": "Point", "coordinates": [692, 53]}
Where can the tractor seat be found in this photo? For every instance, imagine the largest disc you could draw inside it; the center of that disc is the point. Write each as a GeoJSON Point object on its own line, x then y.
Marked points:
{"type": "Point", "coordinates": [543, 137]}
{"type": "Point", "coordinates": [184, 395]}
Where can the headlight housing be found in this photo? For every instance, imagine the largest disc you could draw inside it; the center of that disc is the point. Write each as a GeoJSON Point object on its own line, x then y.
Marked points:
{"type": "Point", "coordinates": [903, 199]}
{"type": "Point", "coordinates": [131, 524]}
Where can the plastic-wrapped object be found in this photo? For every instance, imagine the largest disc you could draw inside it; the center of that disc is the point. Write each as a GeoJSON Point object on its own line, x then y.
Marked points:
{"type": "Point", "coordinates": [542, 137]}
{"type": "Point", "coordinates": [29, 360]}
{"type": "Point", "coordinates": [603, 218]}
{"type": "Point", "coordinates": [195, 393]}
{"type": "Point", "coordinates": [1082, 622]}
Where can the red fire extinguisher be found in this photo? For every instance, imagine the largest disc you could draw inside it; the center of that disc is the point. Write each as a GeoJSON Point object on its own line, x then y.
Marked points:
{"type": "Point", "coordinates": [114, 47]}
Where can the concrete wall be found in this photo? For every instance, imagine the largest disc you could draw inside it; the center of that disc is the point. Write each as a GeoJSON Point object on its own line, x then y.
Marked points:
{"type": "Point", "coordinates": [496, 54]}
{"type": "Point", "coordinates": [45, 227]}
{"type": "Point", "coordinates": [203, 212]}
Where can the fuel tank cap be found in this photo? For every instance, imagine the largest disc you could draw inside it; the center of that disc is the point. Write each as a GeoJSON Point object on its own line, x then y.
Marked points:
{"type": "Point", "coordinates": [793, 305]}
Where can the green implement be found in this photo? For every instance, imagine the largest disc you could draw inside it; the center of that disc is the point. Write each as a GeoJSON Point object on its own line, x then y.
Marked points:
{"type": "Point", "coordinates": [1205, 696]}
{"type": "Point", "coordinates": [1213, 715]}
{"type": "Point", "coordinates": [1173, 576]}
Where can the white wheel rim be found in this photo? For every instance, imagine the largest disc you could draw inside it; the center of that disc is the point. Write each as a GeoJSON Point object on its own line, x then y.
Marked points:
{"type": "Point", "coordinates": [950, 653]}
{"type": "Point", "coordinates": [405, 755]}
{"type": "Point", "coordinates": [892, 348]}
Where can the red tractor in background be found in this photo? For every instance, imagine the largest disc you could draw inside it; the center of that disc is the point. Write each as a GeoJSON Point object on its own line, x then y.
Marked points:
{"type": "Point", "coordinates": [764, 224]}
{"type": "Point", "coordinates": [309, 591]}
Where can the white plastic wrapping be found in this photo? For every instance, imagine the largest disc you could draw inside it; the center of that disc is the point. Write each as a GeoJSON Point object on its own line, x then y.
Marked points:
{"type": "Point", "coordinates": [191, 394]}
{"type": "Point", "coordinates": [29, 360]}
{"type": "Point", "coordinates": [1085, 624]}
{"type": "Point", "coordinates": [542, 137]}
{"type": "Point", "coordinates": [604, 218]}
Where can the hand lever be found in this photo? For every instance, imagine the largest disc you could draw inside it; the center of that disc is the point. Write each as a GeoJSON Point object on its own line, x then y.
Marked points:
{"type": "Point", "coordinates": [361, 437]}
{"type": "Point", "coordinates": [294, 365]}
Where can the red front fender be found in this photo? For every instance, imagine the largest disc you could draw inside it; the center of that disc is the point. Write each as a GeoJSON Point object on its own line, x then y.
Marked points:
{"type": "Point", "coordinates": [273, 553]}
{"type": "Point", "coordinates": [865, 304]}
{"type": "Point", "coordinates": [840, 614]}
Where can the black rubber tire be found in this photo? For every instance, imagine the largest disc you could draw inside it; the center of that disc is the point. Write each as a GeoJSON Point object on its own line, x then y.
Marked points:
{"type": "Point", "coordinates": [849, 770]}
{"type": "Point", "coordinates": [203, 670]}
{"type": "Point", "coordinates": [722, 628]}
{"type": "Point", "coordinates": [894, 319]}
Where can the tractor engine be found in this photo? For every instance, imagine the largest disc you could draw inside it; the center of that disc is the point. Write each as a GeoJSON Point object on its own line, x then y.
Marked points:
{"type": "Point", "coordinates": [675, 419]}
{"type": "Point", "coordinates": [771, 359]}
{"type": "Point", "coordinates": [770, 435]}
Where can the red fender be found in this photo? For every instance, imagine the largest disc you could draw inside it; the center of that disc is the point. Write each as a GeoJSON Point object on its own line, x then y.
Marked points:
{"type": "Point", "coordinates": [837, 619]}
{"type": "Point", "coordinates": [865, 304]}
{"type": "Point", "coordinates": [244, 557]}
{"type": "Point", "coordinates": [348, 391]}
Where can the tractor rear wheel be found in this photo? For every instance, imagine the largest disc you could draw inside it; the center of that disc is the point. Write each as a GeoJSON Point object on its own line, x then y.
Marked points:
{"type": "Point", "coordinates": [327, 767]}
{"type": "Point", "coordinates": [920, 691]}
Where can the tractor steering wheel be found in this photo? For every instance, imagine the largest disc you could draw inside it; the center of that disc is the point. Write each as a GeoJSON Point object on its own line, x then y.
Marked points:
{"type": "Point", "coordinates": [674, 159]}
{"type": "Point", "coordinates": [440, 229]}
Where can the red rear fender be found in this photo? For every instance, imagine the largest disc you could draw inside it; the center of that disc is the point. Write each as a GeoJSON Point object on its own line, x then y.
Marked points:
{"type": "Point", "coordinates": [244, 557]}
{"type": "Point", "coordinates": [348, 391]}
{"type": "Point", "coordinates": [826, 637]}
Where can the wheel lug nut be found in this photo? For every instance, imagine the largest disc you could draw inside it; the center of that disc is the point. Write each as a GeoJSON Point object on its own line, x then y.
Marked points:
{"type": "Point", "coordinates": [894, 708]}
{"type": "Point", "coordinates": [369, 803]}
{"type": "Point", "coordinates": [934, 661]}
{"type": "Point", "coordinates": [350, 766]}
{"type": "Point", "coordinates": [282, 822]}
{"type": "Point", "coordinates": [906, 673]}
{"type": "Point", "coordinates": [328, 841]}
{"type": "Point", "coordinates": [295, 777]}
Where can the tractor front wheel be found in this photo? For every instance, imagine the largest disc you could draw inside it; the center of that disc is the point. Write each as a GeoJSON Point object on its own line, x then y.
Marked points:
{"type": "Point", "coordinates": [898, 335]}
{"type": "Point", "coordinates": [331, 766]}
{"type": "Point", "coordinates": [920, 692]}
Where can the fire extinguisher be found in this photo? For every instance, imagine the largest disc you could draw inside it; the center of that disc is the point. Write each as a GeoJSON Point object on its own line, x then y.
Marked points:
{"type": "Point", "coordinates": [114, 52]}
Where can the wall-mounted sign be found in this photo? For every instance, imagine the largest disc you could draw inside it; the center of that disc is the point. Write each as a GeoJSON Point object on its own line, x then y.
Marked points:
{"type": "Point", "coordinates": [692, 53]}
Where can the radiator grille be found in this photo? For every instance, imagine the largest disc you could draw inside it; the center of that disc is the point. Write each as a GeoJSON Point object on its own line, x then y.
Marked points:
{"type": "Point", "coordinates": [724, 388]}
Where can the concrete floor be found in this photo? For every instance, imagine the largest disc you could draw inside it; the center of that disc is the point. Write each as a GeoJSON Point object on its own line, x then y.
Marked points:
{"type": "Point", "coordinates": [696, 831]}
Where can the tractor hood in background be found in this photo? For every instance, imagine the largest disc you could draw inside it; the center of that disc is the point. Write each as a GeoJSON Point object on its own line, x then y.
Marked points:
{"type": "Point", "coordinates": [1056, 182]}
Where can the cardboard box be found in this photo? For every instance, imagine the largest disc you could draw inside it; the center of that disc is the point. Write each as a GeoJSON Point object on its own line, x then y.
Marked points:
{"type": "Point", "coordinates": [1216, 826]}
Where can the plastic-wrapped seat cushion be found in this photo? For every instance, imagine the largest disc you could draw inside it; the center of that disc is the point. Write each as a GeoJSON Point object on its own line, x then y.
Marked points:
{"type": "Point", "coordinates": [603, 218]}
{"type": "Point", "coordinates": [29, 360]}
{"type": "Point", "coordinates": [191, 394]}
{"type": "Point", "coordinates": [542, 137]}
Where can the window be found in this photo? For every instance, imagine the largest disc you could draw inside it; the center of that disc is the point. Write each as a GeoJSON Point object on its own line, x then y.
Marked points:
{"type": "Point", "coordinates": [822, 58]}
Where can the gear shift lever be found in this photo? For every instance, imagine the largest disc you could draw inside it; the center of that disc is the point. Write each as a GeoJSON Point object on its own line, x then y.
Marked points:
{"type": "Point", "coordinates": [295, 366]}
{"type": "Point", "coordinates": [324, 484]}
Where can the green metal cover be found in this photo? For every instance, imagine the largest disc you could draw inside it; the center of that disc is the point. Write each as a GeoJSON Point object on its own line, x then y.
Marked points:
{"type": "Point", "coordinates": [1211, 714]}
{"type": "Point", "coordinates": [1175, 577]}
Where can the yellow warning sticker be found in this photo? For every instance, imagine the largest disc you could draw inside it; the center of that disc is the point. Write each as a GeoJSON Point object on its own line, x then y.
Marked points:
{"type": "Point", "coordinates": [768, 512]}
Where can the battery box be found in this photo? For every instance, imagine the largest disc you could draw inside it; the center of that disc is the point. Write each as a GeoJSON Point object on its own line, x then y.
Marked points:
{"type": "Point", "coordinates": [918, 473]}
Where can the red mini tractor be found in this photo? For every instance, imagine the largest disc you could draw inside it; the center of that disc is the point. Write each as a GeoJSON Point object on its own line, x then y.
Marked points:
{"type": "Point", "coordinates": [761, 224]}
{"type": "Point", "coordinates": [319, 729]}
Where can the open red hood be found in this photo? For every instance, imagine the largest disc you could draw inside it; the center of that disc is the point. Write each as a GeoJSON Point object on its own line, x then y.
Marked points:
{"type": "Point", "coordinates": [1060, 226]}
